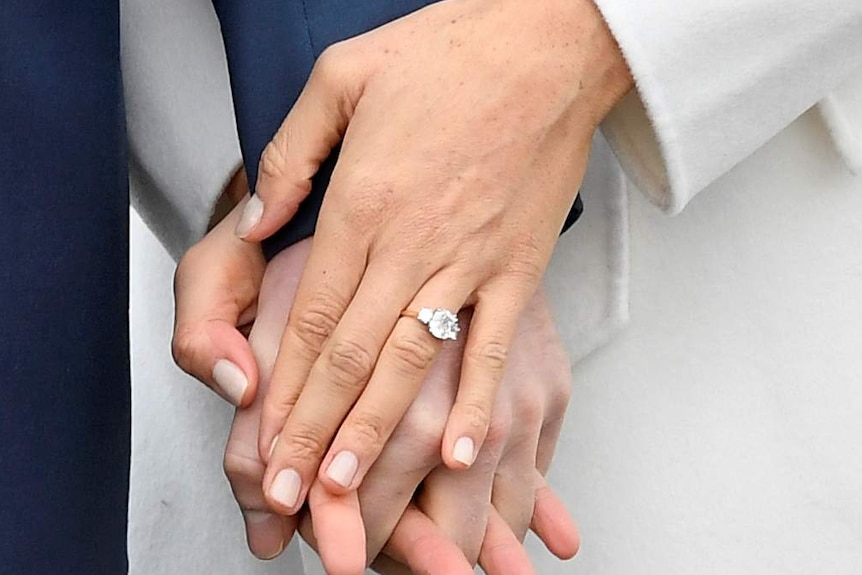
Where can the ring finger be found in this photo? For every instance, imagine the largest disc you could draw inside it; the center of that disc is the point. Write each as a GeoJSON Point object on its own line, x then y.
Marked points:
{"type": "Point", "coordinates": [401, 369]}
{"type": "Point", "coordinates": [398, 372]}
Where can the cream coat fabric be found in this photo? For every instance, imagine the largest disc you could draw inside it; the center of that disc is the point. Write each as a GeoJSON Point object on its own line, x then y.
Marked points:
{"type": "Point", "coordinates": [718, 79]}
{"type": "Point", "coordinates": [183, 146]}
{"type": "Point", "coordinates": [719, 432]}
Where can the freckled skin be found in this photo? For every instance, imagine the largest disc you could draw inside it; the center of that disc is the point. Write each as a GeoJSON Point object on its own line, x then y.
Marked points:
{"type": "Point", "coordinates": [465, 130]}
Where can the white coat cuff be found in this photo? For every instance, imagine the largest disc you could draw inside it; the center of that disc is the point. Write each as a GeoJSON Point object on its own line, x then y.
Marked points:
{"type": "Point", "coordinates": [717, 79]}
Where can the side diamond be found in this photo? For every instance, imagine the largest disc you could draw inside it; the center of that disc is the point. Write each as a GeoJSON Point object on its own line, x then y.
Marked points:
{"type": "Point", "coordinates": [425, 314]}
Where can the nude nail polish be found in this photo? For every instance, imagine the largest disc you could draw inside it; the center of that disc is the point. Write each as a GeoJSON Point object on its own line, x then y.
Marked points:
{"type": "Point", "coordinates": [463, 451]}
{"type": "Point", "coordinates": [285, 487]}
{"type": "Point", "coordinates": [343, 468]}
{"type": "Point", "coordinates": [251, 215]}
{"type": "Point", "coordinates": [230, 380]}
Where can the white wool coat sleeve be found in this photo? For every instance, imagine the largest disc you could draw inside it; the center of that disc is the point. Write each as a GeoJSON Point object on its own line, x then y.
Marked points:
{"type": "Point", "coordinates": [716, 79]}
{"type": "Point", "coordinates": [183, 146]}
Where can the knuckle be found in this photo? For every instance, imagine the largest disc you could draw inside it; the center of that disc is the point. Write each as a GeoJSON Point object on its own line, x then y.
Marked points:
{"type": "Point", "coordinates": [307, 443]}
{"type": "Point", "coordinates": [490, 356]}
{"type": "Point", "coordinates": [477, 416]}
{"type": "Point", "coordinates": [527, 263]}
{"type": "Point", "coordinates": [413, 353]}
{"type": "Point", "coordinates": [313, 325]}
{"type": "Point", "coordinates": [370, 429]}
{"type": "Point", "coordinates": [433, 225]}
{"type": "Point", "coordinates": [238, 467]}
{"type": "Point", "coordinates": [498, 431]}
{"type": "Point", "coordinates": [424, 426]}
{"type": "Point", "coordinates": [331, 64]}
{"type": "Point", "coordinates": [366, 200]}
{"type": "Point", "coordinates": [369, 208]}
{"type": "Point", "coordinates": [530, 411]}
{"type": "Point", "coordinates": [185, 347]}
{"type": "Point", "coordinates": [557, 383]}
{"type": "Point", "coordinates": [349, 364]}
{"type": "Point", "coordinates": [273, 160]}
{"type": "Point", "coordinates": [530, 247]}
{"type": "Point", "coordinates": [279, 403]}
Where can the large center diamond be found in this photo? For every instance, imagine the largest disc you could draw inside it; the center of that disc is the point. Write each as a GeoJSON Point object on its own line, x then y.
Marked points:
{"type": "Point", "coordinates": [443, 324]}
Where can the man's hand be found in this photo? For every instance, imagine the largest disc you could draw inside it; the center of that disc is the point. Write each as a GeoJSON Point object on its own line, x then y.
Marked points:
{"type": "Point", "coordinates": [465, 129]}
{"type": "Point", "coordinates": [453, 523]}
{"type": "Point", "coordinates": [445, 531]}
{"type": "Point", "coordinates": [215, 288]}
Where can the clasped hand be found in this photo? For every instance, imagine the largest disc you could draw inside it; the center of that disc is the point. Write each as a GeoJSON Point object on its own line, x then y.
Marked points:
{"type": "Point", "coordinates": [458, 516]}
{"type": "Point", "coordinates": [464, 131]}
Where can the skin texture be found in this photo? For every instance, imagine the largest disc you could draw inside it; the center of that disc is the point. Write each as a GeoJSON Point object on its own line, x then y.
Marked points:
{"type": "Point", "coordinates": [465, 131]}
{"type": "Point", "coordinates": [460, 517]}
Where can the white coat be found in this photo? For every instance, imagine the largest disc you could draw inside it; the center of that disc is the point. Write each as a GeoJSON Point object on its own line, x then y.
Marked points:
{"type": "Point", "coordinates": [719, 431]}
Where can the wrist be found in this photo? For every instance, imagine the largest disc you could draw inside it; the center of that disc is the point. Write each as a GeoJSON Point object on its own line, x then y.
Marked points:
{"type": "Point", "coordinates": [604, 76]}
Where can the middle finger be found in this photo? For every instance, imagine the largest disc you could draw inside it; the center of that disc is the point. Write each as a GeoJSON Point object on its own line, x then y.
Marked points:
{"type": "Point", "coordinates": [401, 370]}
{"type": "Point", "coordinates": [339, 377]}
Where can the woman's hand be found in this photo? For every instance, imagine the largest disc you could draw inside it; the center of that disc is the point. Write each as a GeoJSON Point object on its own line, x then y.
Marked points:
{"type": "Point", "coordinates": [466, 128]}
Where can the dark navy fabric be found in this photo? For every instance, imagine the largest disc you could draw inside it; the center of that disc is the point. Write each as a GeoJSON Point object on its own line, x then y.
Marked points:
{"type": "Point", "coordinates": [271, 47]}
{"type": "Point", "coordinates": [64, 373]}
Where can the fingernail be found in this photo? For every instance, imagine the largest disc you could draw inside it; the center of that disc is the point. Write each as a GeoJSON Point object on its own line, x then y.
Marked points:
{"type": "Point", "coordinates": [265, 535]}
{"type": "Point", "coordinates": [285, 487]}
{"type": "Point", "coordinates": [463, 451]}
{"type": "Point", "coordinates": [343, 468]}
{"type": "Point", "coordinates": [251, 214]}
{"type": "Point", "coordinates": [230, 379]}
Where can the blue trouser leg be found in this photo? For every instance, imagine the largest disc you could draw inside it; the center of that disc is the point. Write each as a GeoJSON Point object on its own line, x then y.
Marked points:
{"type": "Point", "coordinates": [64, 369]}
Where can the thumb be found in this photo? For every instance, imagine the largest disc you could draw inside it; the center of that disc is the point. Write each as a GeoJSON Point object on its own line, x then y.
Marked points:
{"type": "Point", "coordinates": [312, 128]}
{"type": "Point", "coordinates": [215, 288]}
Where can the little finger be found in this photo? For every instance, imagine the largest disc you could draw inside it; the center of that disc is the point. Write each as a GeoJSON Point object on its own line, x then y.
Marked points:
{"type": "Point", "coordinates": [495, 319]}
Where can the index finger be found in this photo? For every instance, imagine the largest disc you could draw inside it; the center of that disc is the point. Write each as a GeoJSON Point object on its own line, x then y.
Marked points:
{"type": "Point", "coordinates": [329, 280]}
